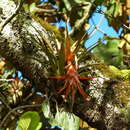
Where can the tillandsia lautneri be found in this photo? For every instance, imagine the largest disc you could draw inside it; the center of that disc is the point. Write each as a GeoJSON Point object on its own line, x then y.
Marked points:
{"type": "Point", "coordinates": [62, 61]}
{"type": "Point", "coordinates": [71, 78]}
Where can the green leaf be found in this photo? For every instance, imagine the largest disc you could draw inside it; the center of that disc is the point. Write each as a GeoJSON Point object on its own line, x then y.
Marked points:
{"type": "Point", "coordinates": [29, 121]}
{"type": "Point", "coordinates": [32, 8]}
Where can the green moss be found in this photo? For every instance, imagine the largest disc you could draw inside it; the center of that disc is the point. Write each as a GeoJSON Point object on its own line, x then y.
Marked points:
{"type": "Point", "coordinates": [124, 74]}
{"type": "Point", "coordinates": [50, 28]}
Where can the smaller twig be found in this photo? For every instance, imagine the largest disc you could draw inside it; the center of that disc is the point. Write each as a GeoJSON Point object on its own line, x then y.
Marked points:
{"type": "Point", "coordinates": [126, 27]}
{"type": "Point", "coordinates": [13, 110]}
{"type": "Point", "coordinates": [12, 16]}
{"type": "Point", "coordinates": [4, 102]}
{"type": "Point", "coordinates": [49, 11]}
{"type": "Point", "coordinates": [96, 27]}
{"type": "Point", "coordinates": [93, 46]}
{"type": "Point", "coordinates": [28, 96]}
{"type": "Point", "coordinates": [7, 80]}
{"type": "Point", "coordinates": [127, 56]}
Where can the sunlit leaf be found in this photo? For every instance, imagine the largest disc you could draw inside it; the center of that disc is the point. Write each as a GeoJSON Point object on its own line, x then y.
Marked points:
{"type": "Point", "coordinates": [29, 121]}
{"type": "Point", "coordinates": [124, 44]}
{"type": "Point", "coordinates": [2, 64]}
{"type": "Point", "coordinates": [63, 119]}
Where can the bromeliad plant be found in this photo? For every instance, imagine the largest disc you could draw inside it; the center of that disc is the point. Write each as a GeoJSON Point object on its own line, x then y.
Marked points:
{"type": "Point", "coordinates": [71, 77]}
{"type": "Point", "coordinates": [63, 61]}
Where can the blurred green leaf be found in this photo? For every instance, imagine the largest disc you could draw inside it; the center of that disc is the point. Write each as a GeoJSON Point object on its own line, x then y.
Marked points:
{"type": "Point", "coordinates": [110, 52]}
{"type": "Point", "coordinates": [29, 121]}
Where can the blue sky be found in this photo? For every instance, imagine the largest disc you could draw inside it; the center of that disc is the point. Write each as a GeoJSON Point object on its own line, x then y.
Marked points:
{"type": "Point", "coordinates": [97, 35]}
{"type": "Point", "coordinates": [103, 26]}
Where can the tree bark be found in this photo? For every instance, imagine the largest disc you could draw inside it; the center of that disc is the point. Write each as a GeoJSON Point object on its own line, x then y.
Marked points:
{"type": "Point", "coordinates": [108, 106]}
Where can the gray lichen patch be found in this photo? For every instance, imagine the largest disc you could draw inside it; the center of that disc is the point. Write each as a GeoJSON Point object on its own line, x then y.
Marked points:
{"type": "Point", "coordinates": [8, 7]}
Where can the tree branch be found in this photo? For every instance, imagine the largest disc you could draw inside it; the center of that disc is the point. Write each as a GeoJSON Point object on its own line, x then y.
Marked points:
{"type": "Point", "coordinates": [17, 108]}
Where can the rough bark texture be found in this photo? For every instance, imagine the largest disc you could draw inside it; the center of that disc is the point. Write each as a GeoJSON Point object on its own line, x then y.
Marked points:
{"type": "Point", "coordinates": [108, 107]}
